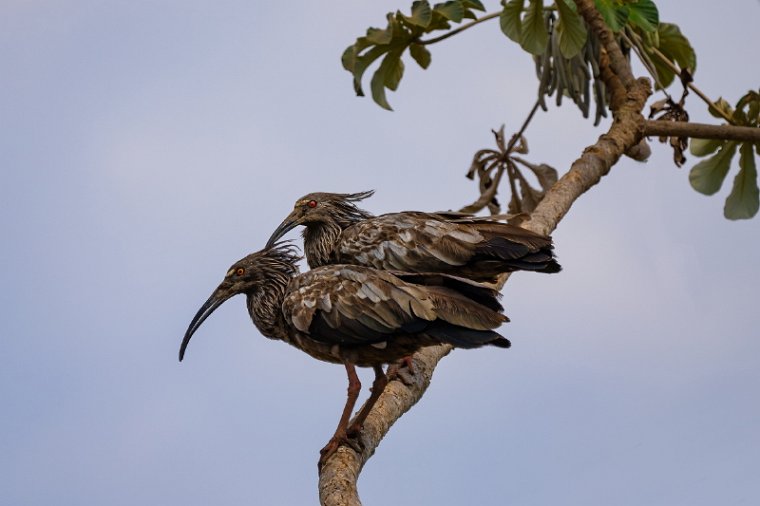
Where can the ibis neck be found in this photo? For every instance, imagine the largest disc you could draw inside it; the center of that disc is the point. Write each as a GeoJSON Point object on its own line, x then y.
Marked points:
{"type": "Point", "coordinates": [319, 242]}
{"type": "Point", "coordinates": [265, 304]}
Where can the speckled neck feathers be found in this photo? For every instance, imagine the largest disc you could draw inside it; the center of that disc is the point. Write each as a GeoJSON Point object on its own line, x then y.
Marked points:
{"type": "Point", "coordinates": [275, 269]}
{"type": "Point", "coordinates": [321, 238]}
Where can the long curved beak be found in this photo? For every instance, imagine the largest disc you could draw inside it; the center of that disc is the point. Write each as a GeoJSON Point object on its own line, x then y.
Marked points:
{"type": "Point", "coordinates": [288, 224]}
{"type": "Point", "coordinates": [217, 298]}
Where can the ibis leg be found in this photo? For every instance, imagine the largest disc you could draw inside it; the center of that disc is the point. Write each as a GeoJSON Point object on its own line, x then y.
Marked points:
{"type": "Point", "coordinates": [340, 436]}
{"type": "Point", "coordinates": [381, 380]}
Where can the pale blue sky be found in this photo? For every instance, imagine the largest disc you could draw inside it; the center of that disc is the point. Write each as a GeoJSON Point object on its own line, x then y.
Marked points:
{"type": "Point", "coordinates": [146, 145]}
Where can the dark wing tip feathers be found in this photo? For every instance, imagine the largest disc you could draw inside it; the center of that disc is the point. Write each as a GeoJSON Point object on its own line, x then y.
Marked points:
{"type": "Point", "coordinates": [462, 337]}
{"type": "Point", "coordinates": [520, 257]}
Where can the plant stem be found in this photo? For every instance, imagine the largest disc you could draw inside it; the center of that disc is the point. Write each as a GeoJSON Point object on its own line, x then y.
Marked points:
{"type": "Point", "coordinates": [460, 29]}
{"type": "Point", "coordinates": [525, 124]}
{"type": "Point", "coordinates": [648, 64]}
{"type": "Point", "coordinates": [672, 66]}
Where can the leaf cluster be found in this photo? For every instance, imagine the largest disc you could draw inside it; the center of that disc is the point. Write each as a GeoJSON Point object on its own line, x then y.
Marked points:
{"type": "Point", "coordinates": [708, 175]}
{"type": "Point", "coordinates": [618, 14]}
{"type": "Point", "coordinates": [576, 77]}
{"type": "Point", "coordinates": [669, 110]}
{"type": "Point", "coordinates": [659, 48]}
{"type": "Point", "coordinates": [527, 26]}
{"type": "Point", "coordinates": [402, 33]}
{"type": "Point", "coordinates": [489, 165]}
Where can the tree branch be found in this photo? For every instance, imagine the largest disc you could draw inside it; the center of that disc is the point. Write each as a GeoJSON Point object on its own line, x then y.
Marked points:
{"type": "Point", "coordinates": [701, 131]}
{"type": "Point", "coordinates": [337, 480]}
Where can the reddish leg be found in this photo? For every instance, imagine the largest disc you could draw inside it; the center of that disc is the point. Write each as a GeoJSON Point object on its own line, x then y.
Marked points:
{"type": "Point", "coordinates": [340, 436]}
{"type": "Point", "coordinates": [381, 380]}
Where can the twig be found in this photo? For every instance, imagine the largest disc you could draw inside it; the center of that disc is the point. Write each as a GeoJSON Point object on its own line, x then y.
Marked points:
{"type": "Point", "coordinates": [672, 66]}
{"type": "Point", "coordinates": [648, 64]}
{"type": "Point", "coordinates": [524, 126]}
{"type": "Point", "coordinates": [460, 29]}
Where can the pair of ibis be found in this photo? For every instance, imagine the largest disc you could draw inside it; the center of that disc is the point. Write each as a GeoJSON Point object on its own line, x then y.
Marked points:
{"type": "Point", "coordinates": [380, 287]}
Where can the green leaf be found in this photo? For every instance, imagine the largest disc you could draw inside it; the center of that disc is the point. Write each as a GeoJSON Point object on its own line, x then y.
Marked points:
{"type": "Point", "coordinates": [364, 61]}
{"type": "Point", "coordinates": [749, 105]}
{"type": "Point", "coordinates": [509, 19]}
{"type": "Point", "coordinates": [452, 10]}
{"type": "Point", "coordinates": [534, 34]}
{"type": "Point", "coordinates": [615, 15]}
{"type": "Point", "coordinates": [707, 176]}
{"type": "Point", "coordinates": [394, 71]}
{"type": "Point", "coordinates": [474, 4]}
{"type": "Point", "coordinates": [644, 15]}
{"type": "Point", "coordinates": [348, 59]}
{"type": "Point", "coordinates": [384, 36]}
{"type": "Point", "coordinates": [723, 105]}
{"type": "Point", "coordinates": [744, 200]}
{"type": "Point", "coordinates": [704, 147]}
{"type": "Point", "coordinates": [571, 30]}
{"type": "Point", "coordinates": [753, 115]}
{"type": "Point", "coordinates": [676, 48]}
{"type": "Point", "coordinates": [675, 45]}
{"type": "Point", "coordinates": [422, 14]}
{"type": "Point", "coordinates": [420, 54]}
{"type": "Point", "coordinates": [385, 73]}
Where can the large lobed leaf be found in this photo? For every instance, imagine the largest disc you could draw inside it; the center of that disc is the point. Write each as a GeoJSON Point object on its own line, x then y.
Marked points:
{"type": "Point", "coordinates": [510, 21]}
{"type": "Point", "coordinates": [571, 29]}
{"type": "Point", "coordinates": [644, 15]}
{"type": "Point", "coordinates": [744, 199]}
{"type": "Point", "coordinates": [401, 33]}
{"type": "Point", "coordinates": [676, 47]}
{"type": "Point", "coordinates": [534, 34]}
{"type": "Point", "coordinates": [707, 176]}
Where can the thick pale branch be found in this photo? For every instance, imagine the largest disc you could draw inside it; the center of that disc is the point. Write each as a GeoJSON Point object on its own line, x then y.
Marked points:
{"type": "Point", "coordinates": [595, 162]}
{"type": "Point", "coordinates": [701, 131]}
{"type": "Point", "coordinates": [337, 481]}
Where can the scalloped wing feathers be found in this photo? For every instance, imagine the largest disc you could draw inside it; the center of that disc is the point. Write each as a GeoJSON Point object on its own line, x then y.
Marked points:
{"type": "Point", "coordinates": [427, 242]}
{"type": "Point", "coordinates": [353, 305]}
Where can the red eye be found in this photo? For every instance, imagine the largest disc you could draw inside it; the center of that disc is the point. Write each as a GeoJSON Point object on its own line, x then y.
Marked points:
{"type": "Point", "coordinates": [240, 271]}
{"type": "Point", "coordinates": [312, 203]}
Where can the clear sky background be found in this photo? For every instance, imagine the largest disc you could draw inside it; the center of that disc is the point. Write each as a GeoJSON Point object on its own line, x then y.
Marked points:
{"type": "Point", "coordinates": [147, 145]}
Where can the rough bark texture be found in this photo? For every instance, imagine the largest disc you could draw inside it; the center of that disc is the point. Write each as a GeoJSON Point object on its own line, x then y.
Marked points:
{"type": "Point", "coordinates": [337, 480]}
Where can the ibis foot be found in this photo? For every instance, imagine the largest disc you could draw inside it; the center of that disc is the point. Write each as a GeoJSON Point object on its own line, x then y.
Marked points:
{"type": "Point", "coordinates": [403, 370]}
{"type": "Point", "coordinates": [351, 439]}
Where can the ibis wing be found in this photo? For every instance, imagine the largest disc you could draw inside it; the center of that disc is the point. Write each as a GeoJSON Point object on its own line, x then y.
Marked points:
{"type": "Point", "coordinates": [410, 241]}
{"type": "Point", "coordinates": [350, 305]}
{"type": "Point", "coordinates": [430, 242]}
